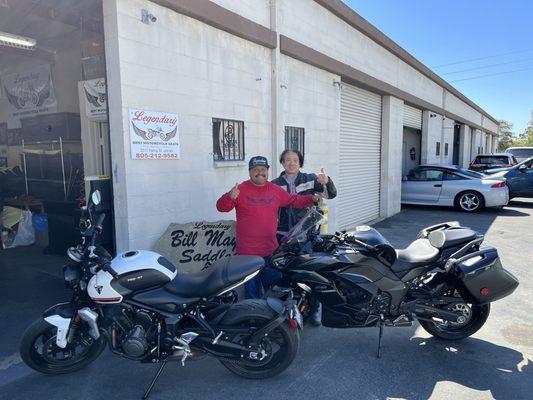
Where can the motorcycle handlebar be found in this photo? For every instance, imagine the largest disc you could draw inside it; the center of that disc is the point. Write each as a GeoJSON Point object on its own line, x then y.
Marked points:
{"type": "Point", "coordinates": [108, 268]}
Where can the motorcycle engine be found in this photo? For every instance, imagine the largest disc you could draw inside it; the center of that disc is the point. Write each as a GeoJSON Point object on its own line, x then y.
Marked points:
{"type": "Point", "coordinates": [135, 341]}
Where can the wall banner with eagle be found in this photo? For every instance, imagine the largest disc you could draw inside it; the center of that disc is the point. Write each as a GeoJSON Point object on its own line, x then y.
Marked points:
{"type": "Point", "coordinates": [95, 97]}
{"type": "Point", "coordinates": [153, 135]}
{"type": "Point", "coordinates": [27, 94]}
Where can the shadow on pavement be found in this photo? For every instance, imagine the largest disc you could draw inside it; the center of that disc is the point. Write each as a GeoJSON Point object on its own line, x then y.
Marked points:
{"type": "Point", "coordinates": [472, 363]}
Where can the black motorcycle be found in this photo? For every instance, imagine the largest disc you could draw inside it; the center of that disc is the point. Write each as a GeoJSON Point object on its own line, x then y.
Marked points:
{"type": "Point", "coordinates": [144, 310]}
{"type": "Point", "coordinates": [444, 279]}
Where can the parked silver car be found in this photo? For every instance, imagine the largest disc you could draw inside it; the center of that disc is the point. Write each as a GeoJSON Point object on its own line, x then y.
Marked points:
{"type": "Point", "coordinates": [450, 186]}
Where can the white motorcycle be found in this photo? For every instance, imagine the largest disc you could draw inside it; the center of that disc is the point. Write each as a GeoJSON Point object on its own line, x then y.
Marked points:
{"type": "Point", "coordinates": [144, 310]}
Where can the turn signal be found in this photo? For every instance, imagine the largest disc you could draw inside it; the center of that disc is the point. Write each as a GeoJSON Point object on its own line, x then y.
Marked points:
{"type": "Point", "coordinates": [484, 291]}
{"type": "Point", "coordinates": [498, 185]}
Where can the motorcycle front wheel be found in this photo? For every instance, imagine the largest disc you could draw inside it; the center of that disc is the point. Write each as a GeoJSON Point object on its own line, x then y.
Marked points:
{"type": "Point", "coordinates": [278, 349]}
{"type": "Point", "coordinates": [39, 351]}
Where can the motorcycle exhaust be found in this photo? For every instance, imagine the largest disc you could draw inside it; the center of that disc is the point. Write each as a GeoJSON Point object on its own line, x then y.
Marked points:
{"type": "Point", "coordinates": [427, 312]}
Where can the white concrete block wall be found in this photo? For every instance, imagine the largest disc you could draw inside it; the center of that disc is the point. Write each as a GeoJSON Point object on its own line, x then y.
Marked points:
{"type": "Point", "coordinates": [431, 134]}
{"type": "Point", "coordinates": [255, 10]}
{"type": "Point", "coordinates": [490, 125]}
{"type": "Point", "coordinates": [447, 138]}
{"type": "Point", "coordinates": [457, 106]}
{"type": "Point", "coordinates": [391, 158]}
{"type": "Point", "coordinates": [465, 146]}
{"type": "Point", "coordinates": [311, 24]}
{"type": "Point", "coordinates": [183, 66]}
{"type": "Point", "coordinates": [116, 125]}
{"type": "Point", "coordinates": [311, 101]}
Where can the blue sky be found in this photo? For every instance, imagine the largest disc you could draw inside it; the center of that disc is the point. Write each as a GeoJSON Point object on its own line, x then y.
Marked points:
{"type": "Point", "coordinates": [453, 31]}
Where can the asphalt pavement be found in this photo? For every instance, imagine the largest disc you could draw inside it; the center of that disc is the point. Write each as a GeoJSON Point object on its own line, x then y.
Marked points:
{"type": "Point", "coordinates": [495, 363]}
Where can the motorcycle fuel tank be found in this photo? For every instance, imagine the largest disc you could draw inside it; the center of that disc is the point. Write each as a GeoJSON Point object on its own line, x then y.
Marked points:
{"type": "Point", "coordinates": [137, 270]}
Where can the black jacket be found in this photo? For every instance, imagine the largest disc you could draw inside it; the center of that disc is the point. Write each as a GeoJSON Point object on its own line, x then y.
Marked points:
{"type": "Point", "coordinates": [305, 184]}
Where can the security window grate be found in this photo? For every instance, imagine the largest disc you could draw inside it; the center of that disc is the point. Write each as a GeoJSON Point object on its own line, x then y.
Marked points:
{"type": "Point", "coordinates": [228, 140]}
{"type": "Point", "coordinates": [295, 138]}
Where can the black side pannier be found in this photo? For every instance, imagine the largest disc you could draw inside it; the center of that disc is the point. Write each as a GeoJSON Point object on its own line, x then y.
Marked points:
{"type": "Point", "coordinates": [484, 277]}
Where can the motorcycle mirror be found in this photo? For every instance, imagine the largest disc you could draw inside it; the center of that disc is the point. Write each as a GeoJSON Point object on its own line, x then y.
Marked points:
{"type": "Point", "coordinates": [96, 197]}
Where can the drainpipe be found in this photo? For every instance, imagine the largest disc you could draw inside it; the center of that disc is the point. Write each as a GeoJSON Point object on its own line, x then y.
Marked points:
{"type": "Point", "coordinates": [274, 92]}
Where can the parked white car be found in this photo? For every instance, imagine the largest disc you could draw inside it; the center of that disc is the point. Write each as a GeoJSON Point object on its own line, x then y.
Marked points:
{"type": "Point", "coordinates": [455, 187]}
{"type": "Point", "coordinates": [521, 153]}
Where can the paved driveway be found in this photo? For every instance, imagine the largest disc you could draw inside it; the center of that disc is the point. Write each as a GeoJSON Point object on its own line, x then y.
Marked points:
{"type": "Point", "coordinates": [334, 363]}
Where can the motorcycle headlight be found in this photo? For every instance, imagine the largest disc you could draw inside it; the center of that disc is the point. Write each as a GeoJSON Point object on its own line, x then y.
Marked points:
{"type": "Point", "coordinates": [71, 275]}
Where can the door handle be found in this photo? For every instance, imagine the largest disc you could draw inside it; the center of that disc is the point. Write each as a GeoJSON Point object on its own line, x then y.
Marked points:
{"type": "Point", "coordinates": [438, 185]}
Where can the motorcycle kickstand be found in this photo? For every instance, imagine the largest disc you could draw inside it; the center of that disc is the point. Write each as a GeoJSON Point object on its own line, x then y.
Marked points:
{"type": "Point", "coordinates": [380, 337]}
{"type": "Point", "coordinates": [156, 377]}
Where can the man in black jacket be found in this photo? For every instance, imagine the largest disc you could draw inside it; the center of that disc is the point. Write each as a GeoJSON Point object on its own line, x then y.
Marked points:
{"type": "Point", "coordinates": [296, 182]}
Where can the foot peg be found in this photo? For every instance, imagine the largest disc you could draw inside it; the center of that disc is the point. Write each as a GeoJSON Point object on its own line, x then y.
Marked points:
{"type": "Point", "coordinates": [182, 348]}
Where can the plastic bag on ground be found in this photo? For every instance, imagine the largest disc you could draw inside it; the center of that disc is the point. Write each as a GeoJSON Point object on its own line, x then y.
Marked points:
{"type": "Point", "coordinates": [25, 233]}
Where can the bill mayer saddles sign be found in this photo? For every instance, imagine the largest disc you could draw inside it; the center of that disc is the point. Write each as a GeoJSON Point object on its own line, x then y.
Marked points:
{"type": "Point", "coordinates": [196, 246]}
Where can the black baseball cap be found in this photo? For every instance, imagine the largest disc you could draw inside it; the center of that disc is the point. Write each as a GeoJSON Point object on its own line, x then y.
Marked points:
{"type": "Point", "coordinates": [258, 161]}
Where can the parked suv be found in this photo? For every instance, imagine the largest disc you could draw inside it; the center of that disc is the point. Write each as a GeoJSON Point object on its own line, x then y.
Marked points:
{"type": "Point", "coordinates": [488, 161]}
{"type": "Point", "coordinates": [521, 153]}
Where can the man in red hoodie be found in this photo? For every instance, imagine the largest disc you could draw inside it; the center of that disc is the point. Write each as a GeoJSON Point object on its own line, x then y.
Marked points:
{"type": "Point", "coordinates": [257, 202]}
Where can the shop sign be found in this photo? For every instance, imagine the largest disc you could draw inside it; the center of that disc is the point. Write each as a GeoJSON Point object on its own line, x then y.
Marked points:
{"type": "Point", "coordinates": [95, 97]}
{"type": "Point", "coordinates": [196, 246]}
{"type": "Point", "coordinates": [153, 135]}
{"type": "Point", "coordinates": [27, 94]}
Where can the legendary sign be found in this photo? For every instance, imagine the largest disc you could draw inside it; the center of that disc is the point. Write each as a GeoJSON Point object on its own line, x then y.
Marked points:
{"type": "Point", "coordinates": [95, 97]}
{"type": "Point", "coordinates": [153, 135]}
{"type": "Point", "coordinates": [28, 93]}
{"type": "Point", "coordinates": [196, 246]}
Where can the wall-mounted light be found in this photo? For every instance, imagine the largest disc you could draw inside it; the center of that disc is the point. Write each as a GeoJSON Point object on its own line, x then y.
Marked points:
{"type": "Point", "coordinates": [147, 17]}
{"type": "Point", "coordinates": [338, 84]}
{"type": "Point", "coordinates": [20, 42]}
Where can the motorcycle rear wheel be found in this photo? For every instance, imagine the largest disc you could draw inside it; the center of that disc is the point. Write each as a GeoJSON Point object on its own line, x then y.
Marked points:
{"type": "Point", "coordinates": [456, 331]}
{"type": "Point", "coordinates": [281, 344]}
{"type": "Point", "coordinates": [39, 351]}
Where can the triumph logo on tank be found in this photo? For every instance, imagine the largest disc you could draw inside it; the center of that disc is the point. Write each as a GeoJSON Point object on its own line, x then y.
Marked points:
{"type": "Point", "coordinates": [196, 246]}
{"type": "Point", "coordinates": [154, 135]}
{"type": "Point", "coordinates": [28, 93]}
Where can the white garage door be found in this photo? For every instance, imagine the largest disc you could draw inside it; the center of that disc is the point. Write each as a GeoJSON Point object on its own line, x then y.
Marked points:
{"type": "Point", "coordinates": [359, 157]}
{"type": "Point", "coordinates": [412, 117]}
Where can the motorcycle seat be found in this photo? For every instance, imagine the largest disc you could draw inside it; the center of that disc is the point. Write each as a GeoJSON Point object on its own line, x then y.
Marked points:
{"type": "Point", "coordinates": [417, 254]}
{"type": "Point", "coordinates": [223, 273]}
{"type": "Point", "coordinates": [444, 239]}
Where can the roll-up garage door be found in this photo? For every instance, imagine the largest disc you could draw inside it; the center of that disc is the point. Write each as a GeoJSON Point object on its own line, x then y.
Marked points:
{"type": "Point", "coordinates": [412, 117]}
{"type": "Point", "coordinates": [359, 157]}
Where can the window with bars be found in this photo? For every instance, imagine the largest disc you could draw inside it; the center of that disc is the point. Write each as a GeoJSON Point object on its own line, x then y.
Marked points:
{"type": "Point", "coordinates": [228, 140]}
{"type": "Point", "coordinates": [295, 138]}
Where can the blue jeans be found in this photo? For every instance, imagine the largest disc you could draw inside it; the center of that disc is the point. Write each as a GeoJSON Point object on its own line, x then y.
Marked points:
{"type": "Point", "coordinates": [259, 284]}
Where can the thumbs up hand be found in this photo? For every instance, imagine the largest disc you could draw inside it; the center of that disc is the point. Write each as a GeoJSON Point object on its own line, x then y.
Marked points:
{"type": "Point", "coordinates": [322, 177]}
{"type": "Point", "coordinates": [234, 192]}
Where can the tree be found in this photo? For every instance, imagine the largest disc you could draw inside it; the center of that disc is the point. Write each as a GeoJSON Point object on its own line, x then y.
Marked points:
{"type": "Point", "coordinates": [526, 137]}
{"type": "Point", "coordinates": [506, 135]}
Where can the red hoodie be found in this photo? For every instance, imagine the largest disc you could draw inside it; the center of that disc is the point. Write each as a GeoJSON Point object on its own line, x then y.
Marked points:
{"type": "Point", "coordinates": [257, 215]}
